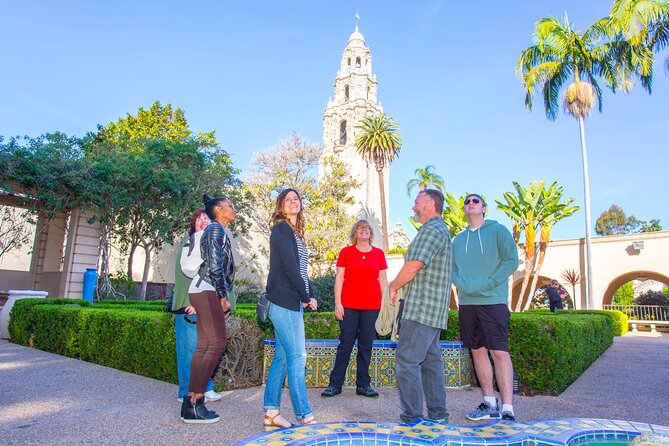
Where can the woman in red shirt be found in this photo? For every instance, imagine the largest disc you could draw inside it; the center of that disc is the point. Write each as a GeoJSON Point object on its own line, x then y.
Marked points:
{"type": "Point", "coordinates": [361, 277]}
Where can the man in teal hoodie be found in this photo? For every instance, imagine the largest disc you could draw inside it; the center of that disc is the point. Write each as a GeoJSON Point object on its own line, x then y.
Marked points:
{"type": "Point", "coordinates": [484, 256]}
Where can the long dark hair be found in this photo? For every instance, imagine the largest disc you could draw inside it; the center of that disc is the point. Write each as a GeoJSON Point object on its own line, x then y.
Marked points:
{"type": "Point", "coordinates": [278, 215]}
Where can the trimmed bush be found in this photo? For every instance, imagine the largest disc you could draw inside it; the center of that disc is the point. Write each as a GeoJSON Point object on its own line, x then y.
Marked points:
{"type": "Point", "coordinates": [651, 297]}
{"type": "Point", "coordinates": [549, 352]}
{"type": "Point", "coordinates": [619, 320]}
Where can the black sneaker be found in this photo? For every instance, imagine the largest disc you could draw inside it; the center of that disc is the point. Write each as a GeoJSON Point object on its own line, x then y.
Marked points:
{"type": "Point", "coordinates": [366, 391]}
{"type": "Point", "coordinates": [330, 392]}
{"type": "Point", "coordinates": [197, 413]}
{"type": "Point", "coordinates": [508, 416]}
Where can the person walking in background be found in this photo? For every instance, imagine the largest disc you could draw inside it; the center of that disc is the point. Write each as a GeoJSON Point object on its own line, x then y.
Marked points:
{"type": "Point", "coordinates": [554, 296]}
{"type": "Point", "coordinates": [288, 291]}
{"type": "Point", "coordinates": [361, 277]}
{"type": "Point", "coordinates": [426, 276]}
{"type": "Point", "coordinates": [184, 314]}
{"type": "Point", "coordinates": [484, 256]}
{"type": "Point", "coordinates": [208, 294]}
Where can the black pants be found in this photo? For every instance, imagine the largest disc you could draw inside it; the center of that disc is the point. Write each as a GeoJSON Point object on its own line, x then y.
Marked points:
{"type": "Point", "coordinates": [356, 324]}
{"type": "Point", "coordinates": [557, 305]}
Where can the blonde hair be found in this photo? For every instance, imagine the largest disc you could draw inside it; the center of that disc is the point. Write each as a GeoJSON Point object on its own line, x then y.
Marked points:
{"type": "Point", "coordinates": [278, 215]}
{"type": "Point", "coordinates": [353, 237]}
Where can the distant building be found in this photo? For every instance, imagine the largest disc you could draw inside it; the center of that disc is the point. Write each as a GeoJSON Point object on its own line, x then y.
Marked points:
{"type": "Point", "coordinates": [397, 236]}
{"type": "Point", "coordinates": [355, 97]}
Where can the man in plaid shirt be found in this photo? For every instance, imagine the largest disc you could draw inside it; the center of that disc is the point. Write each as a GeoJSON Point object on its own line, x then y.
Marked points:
{"type": "Point", "coordinates": [426, 278]}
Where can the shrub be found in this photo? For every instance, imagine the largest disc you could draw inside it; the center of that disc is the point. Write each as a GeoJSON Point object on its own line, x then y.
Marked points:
{"type": "Point", "coordinates": [21, 322]}
{"type": "Point", "coordinates": [323, 287]}
{"type": "Point", "coordinates": [248, 297]}
{"type": "Point", "coordinates": [550, 351]}
{"type": "Point", "coordinates": [619, 320]}
{"type": "Point", "coordinates": [653, 298]}
{"type": "Point", "coordinates": [624, 295]}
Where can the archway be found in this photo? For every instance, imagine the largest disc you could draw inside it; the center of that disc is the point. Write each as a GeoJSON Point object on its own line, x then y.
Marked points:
{"type": "Point", "coordinates": [632, 275]}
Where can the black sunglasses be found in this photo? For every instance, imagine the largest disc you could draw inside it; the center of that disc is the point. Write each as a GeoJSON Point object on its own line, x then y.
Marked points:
{"type": "Point", "coordinates": [472, 200]}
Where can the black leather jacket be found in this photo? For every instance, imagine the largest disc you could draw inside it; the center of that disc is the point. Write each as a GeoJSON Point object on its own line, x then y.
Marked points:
{"type": "Point", "coordinates": [218, 268]}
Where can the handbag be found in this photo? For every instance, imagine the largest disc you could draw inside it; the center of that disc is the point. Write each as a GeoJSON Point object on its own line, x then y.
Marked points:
{"type": "Point", "coordinates": [262, 309]}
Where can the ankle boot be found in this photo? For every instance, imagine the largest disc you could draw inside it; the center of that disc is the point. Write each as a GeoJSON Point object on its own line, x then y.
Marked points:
{"type": "Point", "coordinates": [197, 413]}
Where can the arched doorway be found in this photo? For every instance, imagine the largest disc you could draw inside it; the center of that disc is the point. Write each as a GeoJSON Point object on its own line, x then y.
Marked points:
{"type": "Point", "coordinates": [632, 275]}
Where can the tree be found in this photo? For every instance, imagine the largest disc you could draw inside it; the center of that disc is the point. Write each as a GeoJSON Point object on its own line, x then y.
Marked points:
{"type": "Point", "coordinates": [379, 143]}
{"type": "Point", "coordinates": [560, 53]}
{"type": "Point", "coordinates": [329, 222]}
{"type": "Point", "coordinates": [145, 197]}
{"type": "Point", "coordinates": [551, 210]}
{"type": "Point", "coordinates": [158, 122]}
{"type": "Point", "coordinates": [425, 178]}
{"type": "Point", "coordinates": [454, 214]}
{"type": "Point", "coordinates": [293, 163]}
{"type": "Point", "coordinates": [573, 278]}
{"type": "Point", "coordinates": [47, 170]}
{"type": "Point", "coordinates": [615, 222]}
{"type": "Point", "coordinates": [644, 26]}
{"type": "Point", "coordinates": [14, 230]}
{"type": "Point", "coordinates": [162, 131]}
{"type": "Point", "coordinates": [522, 208]}
{"type": "Point", "coordinates": [624, 295]}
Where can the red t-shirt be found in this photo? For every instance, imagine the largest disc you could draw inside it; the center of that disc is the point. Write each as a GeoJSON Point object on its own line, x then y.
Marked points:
{"type": "Point", "coordinates": [361, 290]}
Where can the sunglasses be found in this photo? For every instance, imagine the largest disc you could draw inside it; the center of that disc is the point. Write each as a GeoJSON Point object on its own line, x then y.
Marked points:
{"type": "Point", "coordinates": [472, 200]}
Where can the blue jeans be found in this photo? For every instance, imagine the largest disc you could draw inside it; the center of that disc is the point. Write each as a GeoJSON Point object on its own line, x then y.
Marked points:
{"type": "Point", "coordinates": [420, 372]}
{"type": "Point", "coordinates": [290, 357]}
{"type": "Point", "coordinates": [186, 340]}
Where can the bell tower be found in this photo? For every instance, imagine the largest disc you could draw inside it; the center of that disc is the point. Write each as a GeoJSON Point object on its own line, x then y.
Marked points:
{"type": "Point", "coordinates": [355, 97]}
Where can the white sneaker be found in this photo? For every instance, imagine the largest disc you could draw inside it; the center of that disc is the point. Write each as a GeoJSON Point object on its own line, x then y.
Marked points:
{"type": "Point", "coordinates": [212, 396]}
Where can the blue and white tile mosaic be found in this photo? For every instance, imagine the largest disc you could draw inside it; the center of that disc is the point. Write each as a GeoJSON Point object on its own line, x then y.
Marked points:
{"type": "Point", "coordinates": [421, 432]}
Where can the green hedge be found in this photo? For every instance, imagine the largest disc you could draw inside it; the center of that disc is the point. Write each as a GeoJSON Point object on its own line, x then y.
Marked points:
{"type": "Point", "coordinates": [549, 350]}
{"type": "Point", "coordinates": [619, 320]}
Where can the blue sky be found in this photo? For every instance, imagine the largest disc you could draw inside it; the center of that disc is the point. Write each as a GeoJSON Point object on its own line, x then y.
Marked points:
{"type": "Point", "coordinates": [256, 72]}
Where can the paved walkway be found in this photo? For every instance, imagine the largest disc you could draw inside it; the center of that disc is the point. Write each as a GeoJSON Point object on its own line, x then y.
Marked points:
{"type": "Point", "coordinates": [48, 399]}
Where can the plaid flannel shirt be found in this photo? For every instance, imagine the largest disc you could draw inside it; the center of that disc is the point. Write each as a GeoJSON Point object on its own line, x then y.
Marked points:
{"type": "Point", "coordinates": [428, 295]}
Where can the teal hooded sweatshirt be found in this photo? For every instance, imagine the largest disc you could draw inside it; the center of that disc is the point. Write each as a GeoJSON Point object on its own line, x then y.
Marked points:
{"type": "Point", "coordinates": [483, 259]}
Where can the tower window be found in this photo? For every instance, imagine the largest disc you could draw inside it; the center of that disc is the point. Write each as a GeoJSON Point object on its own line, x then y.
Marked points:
{"type": "Point", "coordinates": [367, 93]}
{"type": "Point", "coordinates": [346, 93]}
{"type": "Point", "coordinates": [342, 133]}
{"type": "Point", "coordinates": [349, 62]}
{"type": "Point", "coordinates": [357, 62]}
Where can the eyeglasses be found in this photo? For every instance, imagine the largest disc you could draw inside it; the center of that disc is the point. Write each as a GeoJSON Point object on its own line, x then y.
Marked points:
{"type": "Point", "coordinates": [472, 200]}
{"type": "Point", "coordinates": [363, 228]}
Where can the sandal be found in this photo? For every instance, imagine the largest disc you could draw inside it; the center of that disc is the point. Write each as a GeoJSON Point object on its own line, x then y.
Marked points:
{"type": "Point", "coordinates": [310, 420]}
{"type": "Point", "coordinates": [272, 423]}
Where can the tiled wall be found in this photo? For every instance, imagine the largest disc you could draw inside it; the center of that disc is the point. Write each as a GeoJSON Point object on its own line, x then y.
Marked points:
{"type": "Point", "coordinates": [321, 356]}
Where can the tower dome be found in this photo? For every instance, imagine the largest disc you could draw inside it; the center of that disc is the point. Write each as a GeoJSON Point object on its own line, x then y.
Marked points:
{"type": "Point", "coordinates": [356, 38]}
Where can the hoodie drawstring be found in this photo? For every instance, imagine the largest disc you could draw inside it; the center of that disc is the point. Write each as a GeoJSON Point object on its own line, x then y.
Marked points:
{"type": "Point", "coordinates": [478, 230]}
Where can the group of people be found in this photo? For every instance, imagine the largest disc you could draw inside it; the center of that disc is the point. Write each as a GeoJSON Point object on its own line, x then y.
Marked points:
{"type": "Point", "coordinates": [477, 261]}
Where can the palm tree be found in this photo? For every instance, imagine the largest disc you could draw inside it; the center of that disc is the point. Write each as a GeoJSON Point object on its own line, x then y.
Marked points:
{"type": "Point", "coordinates": [523, 209]}
{"type": "Point", "coordinates": [559, 53]}
{"type": "Point", "coordinates": [572, 277]}
{"type": "Point", "coordinates": [425, 178]}
{"type": "Point", "coordinates": [644, 25]}
{"type": "Point", "coordinates": [550, 211]}
{"type": "Point", "coordinates": [454, 214]}
{"type": "Point", "coordinates": [379, 143]}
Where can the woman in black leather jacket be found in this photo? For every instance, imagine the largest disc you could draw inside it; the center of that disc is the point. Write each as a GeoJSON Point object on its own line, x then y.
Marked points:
{"type": "Point", "coordinates": [208, 294]}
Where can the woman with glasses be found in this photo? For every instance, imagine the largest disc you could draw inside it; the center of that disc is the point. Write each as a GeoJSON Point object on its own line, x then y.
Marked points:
{"type": "Point", "coordinates": [184, 313]}
{"type": "Point", "coordinates": [289, 292]}
{"type": "Point", "coordinates": [360, 280]}
{"type": "Point", "coordinates": [209, 293]}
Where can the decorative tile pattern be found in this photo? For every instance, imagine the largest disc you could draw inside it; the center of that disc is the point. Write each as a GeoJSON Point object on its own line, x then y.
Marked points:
{"type": "Point", "coordinates": [556, 432]}
{"type": "Point", "coordinates": [321, 355]}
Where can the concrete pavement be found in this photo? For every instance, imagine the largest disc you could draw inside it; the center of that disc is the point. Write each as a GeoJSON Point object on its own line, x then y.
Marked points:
{"type": "Point", "coordinates": [48, 399]}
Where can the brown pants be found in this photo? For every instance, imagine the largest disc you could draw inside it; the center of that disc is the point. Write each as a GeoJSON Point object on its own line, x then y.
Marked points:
{"type": "Point", "coordinates": [211, 339]}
